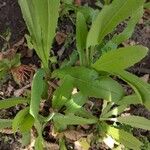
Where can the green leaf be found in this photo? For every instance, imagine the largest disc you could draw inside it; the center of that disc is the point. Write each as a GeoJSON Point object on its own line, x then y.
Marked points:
{"type": "Point", "coordinates": [81, 34]}
{"type": "Point", "coordinates": [39, 143]}
{"type": "Point", "coordinates": [63, 93]}
{"type": "Point", "coordinates": [36, 92]}
{"type": "Point", "coordinates": [23, 121]}
{"type": "Point", "coordinates": [127, 32]}
{"type": "Point", "coordinates": [71, 119]}
{"type": "Point", "coordinates": [41, 18]}
{"type": "Point", "coordinates": [109, 18]}
{"type": "Point", "coordinates": [26, 139]}
{"type": "Point", "coordinates": [62, 144]}
{"type": "Point", "coordinates": [131, 99]}
{"type": "Point", "coordinates": [10, 102]}
{"type": "Point", "coordinates": [5, 123]}
{"type": "Point", "coordinates": [135, 121]}
{"type": "Point", "coordinates": [75, 103]}
{"type": "Point", "coordinates": [115, 111]}
{"type": "Point", "coordinates": [117, 59]}
{"type": "Point", "coordinates": [141, 88]}
{"type": "Point", "coordinates": [89, 83]}
{"type": "Point", "coordinates": [124, 138]}
{"type": "Point", "coordinates": [147, 5]}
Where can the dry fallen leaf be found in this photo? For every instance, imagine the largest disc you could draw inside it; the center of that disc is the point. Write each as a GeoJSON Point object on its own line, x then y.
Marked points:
{"type": "Point", "coordinates": [60, 37]}
{"type": "Point", "coordinates": [82, 144]}
{"type": "Point", "coordinates": [73, 135]}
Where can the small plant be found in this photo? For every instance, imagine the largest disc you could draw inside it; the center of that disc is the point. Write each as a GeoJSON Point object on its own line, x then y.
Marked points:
{"type": "Point", "coordinates": [92, 78]}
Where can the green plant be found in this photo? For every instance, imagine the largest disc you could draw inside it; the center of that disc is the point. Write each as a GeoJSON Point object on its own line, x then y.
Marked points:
{"type": "Point", "coordinates": [92, 78]}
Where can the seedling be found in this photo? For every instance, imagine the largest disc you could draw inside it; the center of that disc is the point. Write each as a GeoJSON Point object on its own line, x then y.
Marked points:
{"type": "Point", "coordinates": [92, 77]}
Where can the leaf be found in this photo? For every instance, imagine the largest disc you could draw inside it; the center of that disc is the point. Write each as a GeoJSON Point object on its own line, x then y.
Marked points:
{"type": "Point", "coordinates": [63, 93]}
{"type": "Point", "coordinates": [88, 82]}
{"type": "Point", "coordinates": [115, 111]}
{"type": "Point", "coordinates": [41, 18]}
{"type": "Point", "coordinates": [26, 139]}
{"type": "Point", "coordinates": [75, 103]}
{"type": "Point", "coordinates": [81, 34]}
{"type": "Point", "coordinates": [36, 92]}
{"type": "Point", "coordinates": [124, 138]}
{"type": "Point", "coordinates": [62, 144]}
{"type": "Point", "coordinates": [131, 99]}
{"type": "Point", "coordinates": [10, 102]}
{"type": "Point", "coordinates": [135, 121]}
{"type": "Point", "coordinates": [39, 143]}
{"type": "Point", "coordinates": [5, 123]}
{"type": "Point", "coordinates": [117, 59]}
{"type": "Point", "coordinates": [141, 88]}
{"type": "Point", "coordinates": [23, 121]}
{"type": "Point", "coordinates": [71, 119]}
{"type": "Point", "coordinates": [109, 17]}
{"type": "Point", "coordinates": [147, 5]}
{"type": "Point", "coordinates": [127, 32]}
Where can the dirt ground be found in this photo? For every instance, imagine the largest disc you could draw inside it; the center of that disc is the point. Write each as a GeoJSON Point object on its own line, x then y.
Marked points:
{"type": "Point", "coordinates": [11, 20]}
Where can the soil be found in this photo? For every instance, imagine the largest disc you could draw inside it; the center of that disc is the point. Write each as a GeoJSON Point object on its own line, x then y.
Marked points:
{"type": "Point", "coordinates": [11, 19]}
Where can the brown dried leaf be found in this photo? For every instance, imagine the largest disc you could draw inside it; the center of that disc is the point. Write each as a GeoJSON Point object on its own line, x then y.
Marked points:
{"type": "Point", "coordinates": [73, 135]}
{"type": "Point", "coordinates": [60, 37]}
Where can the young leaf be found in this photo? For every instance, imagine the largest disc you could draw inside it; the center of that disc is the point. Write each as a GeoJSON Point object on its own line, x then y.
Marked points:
{"type": "Point", "coordinates": [63, 93]}
{"type": "Point", "coordinates": [109, 18]}
{"type": "Point", "coordinates": [5, 123]}
{"type": "Point", "coordinates": [124, 138]}
{"type": "Point", "coordinates": [41, 29]}
{"type": "Point", "coordinates": [10, 102]}
{"type": "Point", "coordinates": [36, 92]}
{"type": "Point", "coordinates": [117, 59]}
{"type": "Point", "coordinates": [88, 82]}
{"type": "Point", "coordinates": [81, 34]}
{"type": "Point", "coordinates": [23, 121]}
{"type": "Point", "coordinates": [135, 121]}
{"type": "Point", "coordinates": [116, 111]}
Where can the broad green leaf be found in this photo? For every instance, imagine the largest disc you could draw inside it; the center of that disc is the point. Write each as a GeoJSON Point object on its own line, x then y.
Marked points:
{"type": "Point", "coordinates": [109, 18]}
{"type": "Point", "coordinates": [131, 99]}
{"type": "Point", "coordinates": [124, 138]}
{"type": "Point", "coordinates": [90, 84]}
{"type": "Point", "coordinates": [41, 19]}
{"type": "Point", "coordinates": [23, 121]}
{"type": "Point", "coordinates": [36, 92]}
{"type": "Point", "coordinates": [63, 93]}
{"type": "Point", "coordinates": [81, 34]}
{"type": "Point", "coordinates": [5, 123]}
{"type": "Point", "coordinates": [27, 123]}
{"type": "Point", "coordinates": [135, 121]}
{"type": "Point", "coordinates": [141, 88]}
{"type": "Point", "coordinates": [121, 58]}
{"type": "Point", "coordinates": [71, 119]}
{"type": "Point", "coordinates": [10, 102]}
{"type": "Point", "coordinates": [127, 32]}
